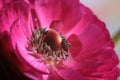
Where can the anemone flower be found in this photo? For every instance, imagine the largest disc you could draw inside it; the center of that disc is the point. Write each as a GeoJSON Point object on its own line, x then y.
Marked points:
{"type": "Point", "coordinates": [57, 40]}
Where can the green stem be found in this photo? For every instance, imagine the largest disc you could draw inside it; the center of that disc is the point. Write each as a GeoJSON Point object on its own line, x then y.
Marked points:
{"type": "Point", "coordinates": [116, 38]}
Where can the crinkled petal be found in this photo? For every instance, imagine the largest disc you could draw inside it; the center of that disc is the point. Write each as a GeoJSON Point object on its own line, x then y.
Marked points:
{"type": "Point", "coordinates": [97, 56]}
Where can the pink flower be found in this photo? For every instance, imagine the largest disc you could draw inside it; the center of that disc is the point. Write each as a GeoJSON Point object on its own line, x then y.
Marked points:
{"type": "Point", "coordinates": [58, 40]}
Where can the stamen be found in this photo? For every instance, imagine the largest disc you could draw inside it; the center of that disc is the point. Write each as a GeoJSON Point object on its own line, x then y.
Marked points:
{"type": "Point", "coordinates": [50, 45]}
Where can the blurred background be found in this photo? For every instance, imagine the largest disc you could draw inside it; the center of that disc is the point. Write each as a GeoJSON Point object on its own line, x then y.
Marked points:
{"type": "Point", "coordinates": [109, 12]}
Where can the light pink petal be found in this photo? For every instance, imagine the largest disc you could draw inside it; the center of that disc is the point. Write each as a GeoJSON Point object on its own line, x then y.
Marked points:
{"type": "Point", "coordinates": [75, 45]}
{"type": "Point", "coordinates": [69, 74]}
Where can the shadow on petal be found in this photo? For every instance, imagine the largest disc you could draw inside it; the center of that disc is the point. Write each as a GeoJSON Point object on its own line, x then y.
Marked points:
{"type": "Point", "coordinates": [75, 45]}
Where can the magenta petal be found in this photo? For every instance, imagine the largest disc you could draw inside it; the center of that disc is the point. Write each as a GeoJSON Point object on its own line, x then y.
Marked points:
{"type": "Point", "coordinates": [17, 35]}
{"type": "Point", "coordinates": [91, 54]}
{"type": "Point", "coordinates": [32, 61]}
{"type": "Point", "coordinates": [69, 74]}
{"type": "Point", "coordinates": [75, 45]}
{"type": "Point", "coordinates": [87, 19]}
{"type": "Point", "coordinates": [19, 40]}
{"type": "Point", "coordinates": [93, 38]}
{"type": "Point", "coordinates": [12, 11]}
{"type": "Point", "coordinates": [67, 11]}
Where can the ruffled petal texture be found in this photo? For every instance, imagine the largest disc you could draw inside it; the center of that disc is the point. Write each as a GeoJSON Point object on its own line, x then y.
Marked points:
{"type": "Point", "coordinates": [91, 52]}
{"type": "Point", "coordinates": [96, 57]}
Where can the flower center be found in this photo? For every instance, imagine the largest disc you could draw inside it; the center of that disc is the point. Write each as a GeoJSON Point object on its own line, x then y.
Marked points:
{"type": "Point", "coordinates": [53, 39]}
{"type": "Point", "coordinates": [49, 44]}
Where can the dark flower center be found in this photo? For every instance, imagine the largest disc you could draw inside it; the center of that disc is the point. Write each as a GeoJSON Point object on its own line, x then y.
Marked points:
{"type": "Point", "coordinates": [49, 44]}
{"type": "Point", "coordinates": [53, 39]}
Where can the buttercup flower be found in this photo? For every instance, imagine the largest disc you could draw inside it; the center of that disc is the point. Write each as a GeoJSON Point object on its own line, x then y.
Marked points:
{"type": "Point", "coordinates": [57, 40]}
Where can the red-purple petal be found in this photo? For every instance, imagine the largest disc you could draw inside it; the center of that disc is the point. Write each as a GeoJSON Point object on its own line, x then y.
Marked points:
{"type": "Point", "coordinates": [56, 25]}
{"type": "Point", "coordinates": [75, 45]}
{"type": "Point", "coordinates": [53, 75]}
{"type": "Point", "coordinates": [108, 59]}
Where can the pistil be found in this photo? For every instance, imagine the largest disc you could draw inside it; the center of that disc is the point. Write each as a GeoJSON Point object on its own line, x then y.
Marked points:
{"type": "Point", "coordinates": [49, 44]}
